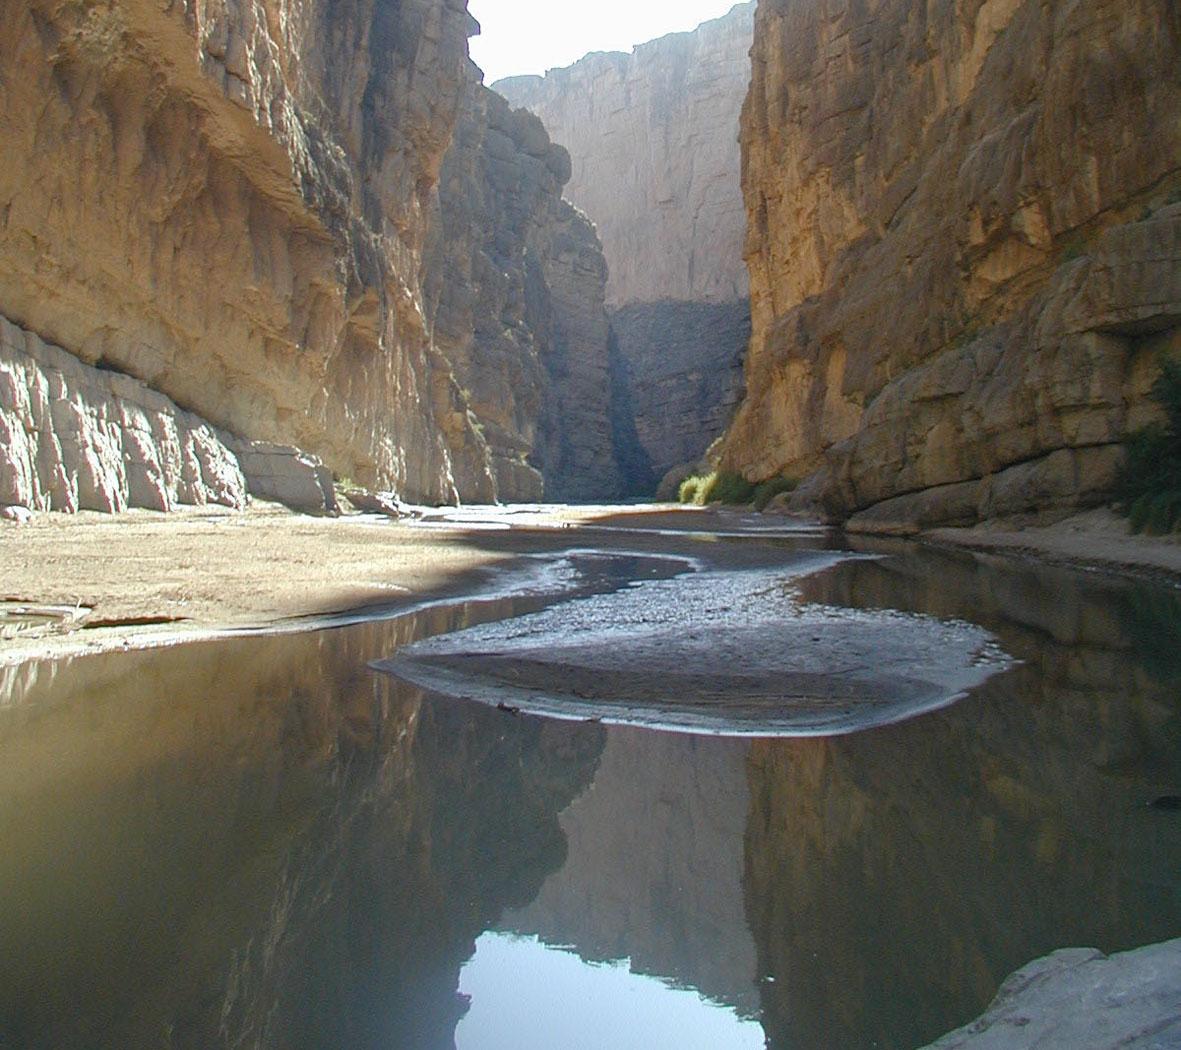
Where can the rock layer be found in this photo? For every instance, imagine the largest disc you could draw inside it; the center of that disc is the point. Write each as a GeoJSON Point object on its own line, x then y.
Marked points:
{"type": "Point", "coordinates": [74, 438]}
{"type": "Point", "coordinates": [515, 278]}
{"type": "Point", "coordinates": [655, 164]}
{"type": "Point", "coordinates": [229, 200]}
{"type": "Point", "coordinates": [964, 249]}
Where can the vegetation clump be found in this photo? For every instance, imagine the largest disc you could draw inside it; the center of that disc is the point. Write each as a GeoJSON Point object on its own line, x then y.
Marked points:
{"type": "Point", "coordinates": [731, 488]}
{"type": "Point", "coordinates": [1149, 485]}
{"type": "Point", "coordinates": [771, 488]}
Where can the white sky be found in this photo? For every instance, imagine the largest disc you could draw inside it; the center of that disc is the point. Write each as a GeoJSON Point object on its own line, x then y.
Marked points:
{"type": "Point", "coordinates": [531, 36]}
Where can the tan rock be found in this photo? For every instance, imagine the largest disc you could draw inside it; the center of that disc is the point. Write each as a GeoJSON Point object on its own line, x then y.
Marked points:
{"type": "Point", "coordinates": [963, 257]}
{"type": "Point", "coordinates": [228, 200]}
{"type": "Point", "coordinates": [655, 164]}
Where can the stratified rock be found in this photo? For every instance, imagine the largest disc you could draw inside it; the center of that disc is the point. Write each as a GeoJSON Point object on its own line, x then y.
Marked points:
{"type": "Point", "coordinates": [965, 249]}
{"type": "Point", "coordinates": [655, 165]}
{"type": "Point", "coordinates": [286, 475]}
{"type": "Point", "coordinates": [515, 281]}
{"type": "Point", "coordinates": [228, 200]}
{"type": "Point", "coordinates": [1081, 999]}
{"type": "Point", "coordinates": [74, 438]}
{"type": "Point", "coordinates": [653, 141]}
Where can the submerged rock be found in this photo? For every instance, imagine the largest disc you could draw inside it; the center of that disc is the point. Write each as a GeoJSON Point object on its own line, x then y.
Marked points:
{"type": "Point", "coordinates": [731, 653]}
{"type": "Point", "coordinates": [1081, 999]}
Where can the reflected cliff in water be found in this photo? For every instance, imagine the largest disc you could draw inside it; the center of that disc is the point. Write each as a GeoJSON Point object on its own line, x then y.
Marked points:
{"type": "Point", "coordinates": [261, 843]}
{"type": "Point", "coordinates": [894, 879]}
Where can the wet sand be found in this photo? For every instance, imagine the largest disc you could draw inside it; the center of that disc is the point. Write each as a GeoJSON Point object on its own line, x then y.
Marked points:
{"type": "Point", "coordinates": [1097, 539]}
{"type": "Point", "coordinates": [142, 579]}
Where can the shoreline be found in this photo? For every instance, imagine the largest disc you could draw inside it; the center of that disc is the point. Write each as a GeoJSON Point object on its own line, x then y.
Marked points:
{"type": "Point", "coordinates": [1094, 541]}
{"type": "Point", "coordinates": [154, 580]}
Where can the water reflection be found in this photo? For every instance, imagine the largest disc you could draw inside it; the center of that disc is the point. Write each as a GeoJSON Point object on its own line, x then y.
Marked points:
{"type": "Point", "coordinates": [557, 999]}
{"type": "Point", "coordinates": [263, 844]}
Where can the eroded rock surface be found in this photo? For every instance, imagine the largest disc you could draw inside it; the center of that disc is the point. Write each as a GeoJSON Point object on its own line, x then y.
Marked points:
{"type": "Point", "coordinates": [516, 279]}
{"type": "Point", "coordinates": [655, 163]}
{"type": "Point", "coordinates": [75, 438]}
{"type": "Point", "coordinates": [965, 250]}
{"type": "Point", "coordinates": [229, 201]}
{"type": "Point", "coordinates": [1081, 999]}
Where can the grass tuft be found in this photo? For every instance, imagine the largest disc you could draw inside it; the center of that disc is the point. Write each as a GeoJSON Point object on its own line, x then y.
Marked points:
{"type": "Point", "coordinates": [731, 488]}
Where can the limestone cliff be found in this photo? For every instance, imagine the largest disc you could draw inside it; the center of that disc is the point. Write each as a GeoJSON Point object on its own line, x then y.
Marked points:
{"type": "Point", "coordinates": [964, 247]}
{"type": "Point", "coordinates": [654, 154]}
{"type": "Point", "coordinates": [228, 200]}
{"type": "Point", "coordinates": [515, 285]}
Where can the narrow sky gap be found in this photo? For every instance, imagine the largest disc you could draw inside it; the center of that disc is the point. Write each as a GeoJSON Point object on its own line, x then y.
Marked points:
{"type": "Point", "coordinates": [531, 36]}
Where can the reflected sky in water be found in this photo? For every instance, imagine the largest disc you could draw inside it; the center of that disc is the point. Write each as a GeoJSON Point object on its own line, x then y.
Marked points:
{"type": "Point", "coordinates": [526, 995]}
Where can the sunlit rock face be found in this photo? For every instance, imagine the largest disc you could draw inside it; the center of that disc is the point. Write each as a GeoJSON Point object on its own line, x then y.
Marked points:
{"type": "Point", "coordinates": [653, 146]}
{"type": "Point", "coordinates": [964, 248]}
{"type": "Point", "coordinates": [515, 287]}
{"type": "Point", "coordinates": [229, 200]}
{"type": "Point", "coordinates": [896, 878]}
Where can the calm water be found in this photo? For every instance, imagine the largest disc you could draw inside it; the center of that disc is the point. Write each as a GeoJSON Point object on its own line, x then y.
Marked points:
{"type": "Point", "coordinates": [262, 843]}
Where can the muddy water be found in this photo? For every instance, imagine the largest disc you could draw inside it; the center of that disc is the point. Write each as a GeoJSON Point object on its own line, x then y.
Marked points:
{"type": "Point", "coordinates": [264, 843]}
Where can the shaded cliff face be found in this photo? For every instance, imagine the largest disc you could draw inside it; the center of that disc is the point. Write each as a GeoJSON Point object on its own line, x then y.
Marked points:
{"type": "Point", "coordinates": [962, 249]}
{"type": "Point", "coordinates": [228, 201]}
{"type": "Point", "coordinates": [653, 146]}
{"type": "Point", "coordinates": [515, 281]}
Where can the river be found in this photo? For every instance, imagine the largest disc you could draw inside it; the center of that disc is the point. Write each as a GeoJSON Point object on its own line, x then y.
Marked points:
{"type": "Point", "coordinates": [267, 842]}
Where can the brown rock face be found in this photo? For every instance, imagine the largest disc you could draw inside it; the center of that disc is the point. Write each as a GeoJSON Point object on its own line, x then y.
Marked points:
{"type": "Point", "coordinates": [964, 247]}
{"type": "Point", "coordinates": [515, 278]}
{"type": "Point", "coordinates": [653, 145]}
{"type": "Point", "coordinates": [228, 200]}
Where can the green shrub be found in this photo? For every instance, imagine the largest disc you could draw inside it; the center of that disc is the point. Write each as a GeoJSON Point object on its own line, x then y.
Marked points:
{"type": "Point", "coordinates": [726, 487]}
{"type": "Point", "coordinates": [1149, 486]}
{"type": "Point", "coordinates": [768, 490]}
{"type": "Point", "coordinates": [689, 489]}
{"type": "Point", "coordinates": [731, 488]}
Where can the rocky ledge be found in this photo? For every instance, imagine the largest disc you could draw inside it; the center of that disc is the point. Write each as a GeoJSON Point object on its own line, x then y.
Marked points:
{"type": "Point", "coordinates": [73, 437]}
{"type": "Point", "coordinates": [1081, 999]}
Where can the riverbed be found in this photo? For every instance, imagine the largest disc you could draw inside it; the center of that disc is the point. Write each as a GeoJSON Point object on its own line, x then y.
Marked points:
{"type": "Point", "coordinates": [312, 839]}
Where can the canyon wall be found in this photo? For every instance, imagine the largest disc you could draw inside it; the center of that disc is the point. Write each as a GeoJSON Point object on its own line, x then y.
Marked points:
{"type": "Point", "coordinates": [965, 250]}
{"type": "Point", "coordinates": [515, 282]}
{"type": "Point", "coordinates": [655, 164]}
{"type": "Point", "coordinates": [228, 201]}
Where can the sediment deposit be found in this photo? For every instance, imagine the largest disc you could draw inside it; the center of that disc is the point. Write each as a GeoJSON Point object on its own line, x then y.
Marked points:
{"type": "Point", "coordinates": [965, 251]}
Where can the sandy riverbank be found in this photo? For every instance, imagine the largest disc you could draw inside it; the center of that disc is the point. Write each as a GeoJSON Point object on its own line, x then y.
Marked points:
{"type": "Point", "coordinates": [1097, 539]}
{"type": "Point", "coordinates": [152, 579]}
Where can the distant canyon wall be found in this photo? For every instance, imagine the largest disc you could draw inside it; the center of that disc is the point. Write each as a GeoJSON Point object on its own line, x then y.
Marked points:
{"type": "Point", "coordinates": [515, 282]}
{"type": "Point", "coordinates": [238, 206]}
{"type": "Point", "coordinates": [652, 137]}
{"type": "Point", "coordinates": [965, 251]}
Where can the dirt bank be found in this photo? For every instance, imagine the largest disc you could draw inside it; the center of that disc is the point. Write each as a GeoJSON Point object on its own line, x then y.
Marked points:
{"type": "Point", "coordinates": [1098, 539]}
